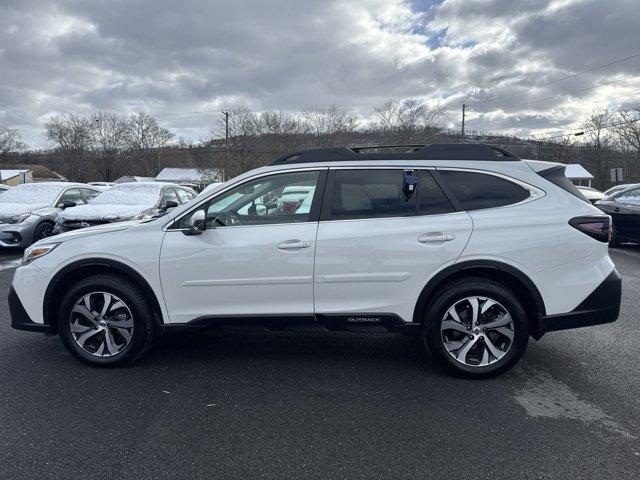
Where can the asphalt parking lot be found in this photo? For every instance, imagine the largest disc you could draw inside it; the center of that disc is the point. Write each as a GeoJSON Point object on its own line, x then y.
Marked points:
{"type": "Point", "coordinates": [286, 405]}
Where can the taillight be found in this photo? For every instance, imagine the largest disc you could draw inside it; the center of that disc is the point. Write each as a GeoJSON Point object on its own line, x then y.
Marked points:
{"type": "Point", "coordinates": [596, 227]}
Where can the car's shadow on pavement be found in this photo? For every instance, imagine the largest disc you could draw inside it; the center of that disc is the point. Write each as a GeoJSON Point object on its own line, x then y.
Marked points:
{"type": "Point", "coordinates": [315, 350]}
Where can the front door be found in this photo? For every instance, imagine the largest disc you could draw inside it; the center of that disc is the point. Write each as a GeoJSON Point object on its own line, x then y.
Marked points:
{"type": "Point", "coordinates": [379, 242]}
{"type": "Point", "coordinates": [255, 257]}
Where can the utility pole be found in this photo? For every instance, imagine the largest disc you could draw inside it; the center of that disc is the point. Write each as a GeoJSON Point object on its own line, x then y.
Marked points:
{"type": "Point", "coordinates": [226, 142]}
{"type": "Point", "coordinates": [464, 108]}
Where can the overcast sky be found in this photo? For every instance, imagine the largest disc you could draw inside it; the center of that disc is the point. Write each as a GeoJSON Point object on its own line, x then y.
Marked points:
{"type": "Point", "coordinates": [166, 57]}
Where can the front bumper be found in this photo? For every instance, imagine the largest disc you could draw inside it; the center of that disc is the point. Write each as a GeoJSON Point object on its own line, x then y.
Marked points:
{"type": "Point", "coordinates": [16, 235]}
{"type": "Point", "coordinates": [20, 319]}
{"type": "Point", "coordinates": [601, 306]}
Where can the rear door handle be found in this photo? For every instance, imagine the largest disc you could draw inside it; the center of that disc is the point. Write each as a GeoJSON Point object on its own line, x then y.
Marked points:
{"type": "Point", "coordinates": [293, 245]}
{"type": "Point", "coordinates": [435, 237]}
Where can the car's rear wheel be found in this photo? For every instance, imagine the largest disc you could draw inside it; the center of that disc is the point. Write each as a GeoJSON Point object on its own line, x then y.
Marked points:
{"type": "Point", "coordinates": [44, 230]}
{"type": "Point", "coordinates": [475, 328]}
{"type": "Point", "coordinates": [105, 320]}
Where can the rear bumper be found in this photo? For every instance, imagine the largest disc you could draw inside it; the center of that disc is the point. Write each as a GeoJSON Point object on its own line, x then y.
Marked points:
{"type": "Point", "coordinates": [20, 319]}
{"type": "Point", "coordinates": [601, 306]}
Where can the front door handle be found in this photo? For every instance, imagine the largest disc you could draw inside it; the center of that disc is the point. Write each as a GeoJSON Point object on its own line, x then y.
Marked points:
{"type": "Point", "coordinates": [435, 237]}
{"type": "Point", "coordinates": [293, 245]}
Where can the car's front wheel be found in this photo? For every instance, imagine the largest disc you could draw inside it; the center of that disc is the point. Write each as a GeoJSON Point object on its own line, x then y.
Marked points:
{"type": "Point", "coordinates": [475, 328]}
{"type": "Point", "coordinates": [105, 320]}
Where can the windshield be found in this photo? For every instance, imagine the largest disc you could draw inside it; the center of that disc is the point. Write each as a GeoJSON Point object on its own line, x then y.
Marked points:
{"type": "Point", "coordinates": [130, 194]}
{"type": "Point", "coordinates": [32, 194]}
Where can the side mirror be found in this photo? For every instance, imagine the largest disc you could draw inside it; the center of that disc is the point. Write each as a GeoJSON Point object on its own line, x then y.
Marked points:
{"type": "Point", "coordinates": [64, 205]}
{"type": "Point", "coordinates": [197, 223]}
{"type": "Point", "coordinates": [169, 205]}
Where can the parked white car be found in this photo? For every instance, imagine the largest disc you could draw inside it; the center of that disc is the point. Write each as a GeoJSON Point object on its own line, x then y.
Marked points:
{"type": "Point", "coordinates": [468, 246]}
{"type": "Point", "coordinates": [125, 201]}
{"type": "Point", "coordinates": [28, 211]}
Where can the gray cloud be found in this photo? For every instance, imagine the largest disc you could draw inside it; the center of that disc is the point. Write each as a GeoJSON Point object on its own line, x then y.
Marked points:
{"type": "Point", "coordinates": [162, 57]}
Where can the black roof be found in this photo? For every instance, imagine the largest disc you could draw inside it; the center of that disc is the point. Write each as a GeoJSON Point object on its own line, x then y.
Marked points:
{"type": "Point", "coordinates": [435, 151]}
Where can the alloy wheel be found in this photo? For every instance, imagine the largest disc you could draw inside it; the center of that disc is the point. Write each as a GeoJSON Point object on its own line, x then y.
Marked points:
{"type": "Point", "coordinates": [101, 324]}
{"type": "Point", "coordinates": [477, 331]}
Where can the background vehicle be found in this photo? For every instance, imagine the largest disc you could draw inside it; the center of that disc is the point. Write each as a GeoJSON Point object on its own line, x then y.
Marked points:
{"type": "Point", "coordinates": [4, 188]}
{"type": "Point", "coordinates": [619, 188]}
{"type": "Point", "coordinates": [591, 194]}
{"type": "Point", "coordinates": [126, 201]}
{"type": "Point", "coordinates": [624, 208]}
{"type": "Point", "coordinates": [28, 211]}
{"type": "Point", "coordinates": [101, 184]}
{"type": "Point", "coordinates": [209, 188]}
{"type": "Point", "coordinates": [466, 245]}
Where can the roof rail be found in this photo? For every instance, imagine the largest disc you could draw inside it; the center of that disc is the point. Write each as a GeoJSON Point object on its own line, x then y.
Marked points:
{"type": "Point", "coordinates": [435, 151]}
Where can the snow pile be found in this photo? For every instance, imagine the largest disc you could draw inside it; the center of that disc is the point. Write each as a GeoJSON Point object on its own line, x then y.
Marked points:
{"type": "Point", "coordinates": [43, 194]}
{"type": "Point", "coordinates": [629, 200]}
{"type": "Point", "coordinates": [101, 212]}
{"type": "Point", "coordinates": [144, 193]}
{"type": "Point", "coordinates": [8, 210]}
{"type": "Point", "coordinates": [123, 201]}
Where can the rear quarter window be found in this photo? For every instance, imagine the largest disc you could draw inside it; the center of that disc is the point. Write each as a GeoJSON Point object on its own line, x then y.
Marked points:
{"type": "Point", "coordinates": [476, 191]}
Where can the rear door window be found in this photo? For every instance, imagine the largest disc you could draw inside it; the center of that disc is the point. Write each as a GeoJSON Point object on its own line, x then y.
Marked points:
{"type": "Point", "coordinates": [479, 190]}
{"type": "Point", "coordinates": [370, 194]}
{"type": "Point", "coordinates": [379, 193]}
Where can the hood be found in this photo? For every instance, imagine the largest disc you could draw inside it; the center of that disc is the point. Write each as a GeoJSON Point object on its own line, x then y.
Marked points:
{"type": "Point", "coordinates": [8, 210]}
{"type": "Point", "coordinates": [101, 212]}
{"type": "Point", "coordinates": [84, 232]}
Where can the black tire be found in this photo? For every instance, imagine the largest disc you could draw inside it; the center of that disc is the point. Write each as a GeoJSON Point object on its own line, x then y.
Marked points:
{"type": "Point", "coordinates": [143, 333]}
{"type": "Point", "coordinates": [44, 230]}
{"type": "Point", "coordinates": [456, 291]}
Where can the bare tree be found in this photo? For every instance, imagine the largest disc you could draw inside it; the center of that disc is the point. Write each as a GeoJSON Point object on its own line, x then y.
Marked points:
{"type": "Point", "coordinates": [143, 133]}
{"type": "Point", "coordinates": [244, 143]}
{"type": "Point", "coordinates": [69, 133]}
{"type": "Point", "coordinates": [405, 121]}
{"type": "Point", "coordinates": [108, 131]}
{"type": "Point", "coordinates": [597, 132]}
{"type": "Point", "coordinates": [627, 129]}
{"type": "Point", "coordinates": [72, 137]}
{"type": "Point", "coordinates": [10, 140]}
{"type": "Point", "coordinates": [329, 126]}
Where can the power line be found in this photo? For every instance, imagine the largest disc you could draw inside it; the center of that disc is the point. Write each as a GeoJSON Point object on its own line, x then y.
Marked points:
{"type": "Point", "coordinates": [598, 67]}
{"type": "Point", "coordinates": [582, 132]}
{"type": "Point", "coordinates": [568, 93]}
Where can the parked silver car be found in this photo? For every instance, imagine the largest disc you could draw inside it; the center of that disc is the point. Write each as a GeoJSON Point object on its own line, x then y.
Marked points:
{"type": "Point", "coordinates": [28, 211]}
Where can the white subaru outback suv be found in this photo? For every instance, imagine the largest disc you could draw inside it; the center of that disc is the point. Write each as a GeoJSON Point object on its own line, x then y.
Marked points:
{"type": "Point", "coordinates": [468, 246]}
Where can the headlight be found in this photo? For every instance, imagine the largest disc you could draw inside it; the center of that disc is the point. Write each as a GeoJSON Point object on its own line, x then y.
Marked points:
{"type": "Point", "coordinates": [37, 251]}
{"type": "Point", "coordinates": [19, 218]}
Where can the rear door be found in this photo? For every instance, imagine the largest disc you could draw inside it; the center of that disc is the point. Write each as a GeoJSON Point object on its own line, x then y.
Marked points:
{"type": "Point", "coordinates": [378, 243]}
